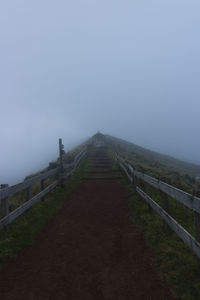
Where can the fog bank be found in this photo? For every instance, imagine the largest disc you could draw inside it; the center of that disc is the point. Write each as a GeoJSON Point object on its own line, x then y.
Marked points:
{"type": "Point", "coordinates": [71, 68]}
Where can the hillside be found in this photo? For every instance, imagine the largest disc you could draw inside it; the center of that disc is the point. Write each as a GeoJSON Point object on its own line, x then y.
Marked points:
{"type": "Point", "coordinates": [182, 174]}
{"type": "Point", "coordinates": [102, 195]}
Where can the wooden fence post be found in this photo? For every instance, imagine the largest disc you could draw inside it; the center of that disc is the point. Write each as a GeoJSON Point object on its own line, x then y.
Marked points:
{"type": "Point", "coordinates": [4, 207]}
{"type": "Point", "coordinates": [61, 147]}
{"type": "Point", "coordinates": [165, 206]}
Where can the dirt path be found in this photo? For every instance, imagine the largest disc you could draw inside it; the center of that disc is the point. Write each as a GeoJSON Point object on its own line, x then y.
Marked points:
{"type": "Point", "coordinates": [90, 250]}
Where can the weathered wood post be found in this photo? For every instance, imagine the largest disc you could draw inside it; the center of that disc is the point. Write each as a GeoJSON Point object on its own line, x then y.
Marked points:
{"type": "Point", "coordinates": [4, 208]}
{"type": "Point", "coordinates": [61, 147]}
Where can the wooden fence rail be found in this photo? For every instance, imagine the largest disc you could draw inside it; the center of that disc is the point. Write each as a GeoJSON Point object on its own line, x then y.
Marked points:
{"type": "Point", "coordinates": [186, 199]}
{"type": "Point", "coordinates": [27, 183]}
{"type": "Point", "coordinates": [7, 217]}
{"type": "Point", "coordinates": [21, 209]}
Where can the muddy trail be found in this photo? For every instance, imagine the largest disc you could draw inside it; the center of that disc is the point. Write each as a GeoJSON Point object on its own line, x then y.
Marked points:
{"type": "Point", "coordinates": [91, 250]}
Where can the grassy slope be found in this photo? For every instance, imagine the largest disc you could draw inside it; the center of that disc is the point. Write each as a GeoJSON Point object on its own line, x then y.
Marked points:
{"type": "Point", "coordinates": [173, 258]}
{"type": "Point", "coordinates": [19, 198]}
{"type": "Point", "coordinates": [173, 171]}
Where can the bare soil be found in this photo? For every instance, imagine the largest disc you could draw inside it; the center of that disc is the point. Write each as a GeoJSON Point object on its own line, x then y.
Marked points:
{"type": "Point", "coordinates": [91, 250]}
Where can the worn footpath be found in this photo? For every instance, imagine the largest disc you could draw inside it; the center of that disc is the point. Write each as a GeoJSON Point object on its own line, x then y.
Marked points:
{"type": "Point", "coordinates": [91, 250]}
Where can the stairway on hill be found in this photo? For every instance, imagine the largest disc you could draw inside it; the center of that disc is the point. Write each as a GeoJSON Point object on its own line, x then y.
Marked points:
{"type": "Point", "coordinates": [90, 250]}
{"type": "Point", "coordinates": [101, 167]}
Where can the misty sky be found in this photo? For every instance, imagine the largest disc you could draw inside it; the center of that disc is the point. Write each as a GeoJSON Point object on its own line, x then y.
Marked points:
{"type": "Point", "coordinates": [70, 68]}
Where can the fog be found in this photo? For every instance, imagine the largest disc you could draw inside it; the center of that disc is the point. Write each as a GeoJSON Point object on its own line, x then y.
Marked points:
{"type": "Point", "coordinates": [71, 68]}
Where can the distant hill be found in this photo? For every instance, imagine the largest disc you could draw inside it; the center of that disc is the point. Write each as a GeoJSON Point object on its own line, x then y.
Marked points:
{"type": "Point", "coordinates": [174, 171]}
{"type": "Point", "coordinates": [169, 169]}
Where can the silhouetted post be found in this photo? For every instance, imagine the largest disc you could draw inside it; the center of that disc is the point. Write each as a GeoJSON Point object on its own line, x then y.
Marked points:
{"type": "Point", "coordinates": [4, 208]}
{"type": "Point", "coordinates": [61, 147]}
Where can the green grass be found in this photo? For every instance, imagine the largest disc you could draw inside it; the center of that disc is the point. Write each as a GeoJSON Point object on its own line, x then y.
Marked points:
{"type": "Point", "coordinates": [179, 266]}
{"type": "Point", "coordinates": [23, 231]}
{"type": "Point", "coordinates": [182, 214]}
{"type": "Point", "coordinates": [178, 173]}
{"type": "Point", "coordinates": [173, 258]}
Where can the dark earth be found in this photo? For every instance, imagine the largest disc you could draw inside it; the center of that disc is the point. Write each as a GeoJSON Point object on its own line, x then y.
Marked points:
{"type": "Point", "coordinates": [91, 250]}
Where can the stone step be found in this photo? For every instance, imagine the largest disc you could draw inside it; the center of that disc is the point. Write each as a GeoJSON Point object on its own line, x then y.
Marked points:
{"type": "Point", "coordinates": [96, 158]}
{"type": "Point", "coordinates": [103, 178]}
{"type": "Point", "coordinates": [100, 165]}
{"type": "Point", "coordinates": [105, 171]}
{"type": "Point", "coordinates": [99, 157]}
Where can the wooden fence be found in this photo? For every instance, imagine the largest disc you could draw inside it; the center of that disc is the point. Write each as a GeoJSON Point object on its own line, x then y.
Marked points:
{"type": "Point", "coordinates": [66, 169]}
{"type": "Point", "coordinates": [191, 201]}
{"type": "Point", "coordinates": [57, 174]}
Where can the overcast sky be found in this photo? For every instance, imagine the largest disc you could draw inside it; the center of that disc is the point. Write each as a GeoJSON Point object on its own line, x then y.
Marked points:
{"type": "Point", "coordinates": [70, 68]}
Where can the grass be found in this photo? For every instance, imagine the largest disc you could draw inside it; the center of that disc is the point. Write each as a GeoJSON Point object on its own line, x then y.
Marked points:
{"type": "Point", "coordinates": [173, 258]}
{"type": "Point", "coordinates": [181, 213]}
{"type": "Point", "coordinates": [179, 266]}
{"type": "Point", "coordinates": [19, 198]}
{"type": "Point", "coordinates": [24, 230]}
{"type": "Point", "coordinates": [178, 173]}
